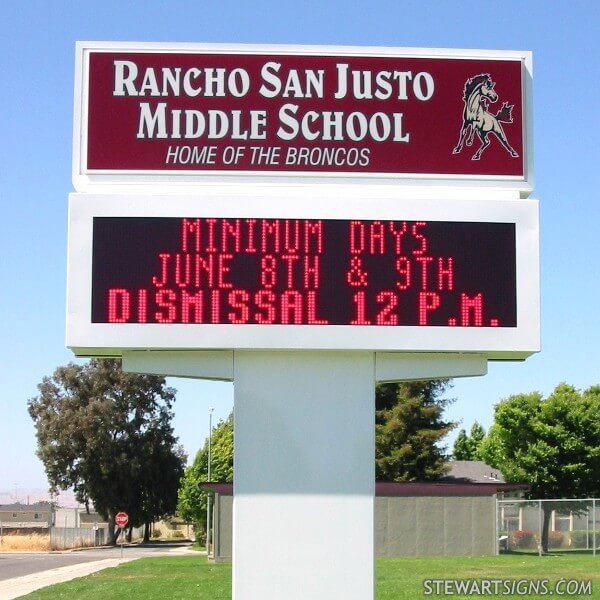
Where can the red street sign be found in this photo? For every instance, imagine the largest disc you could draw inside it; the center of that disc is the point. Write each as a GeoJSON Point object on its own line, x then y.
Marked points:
{"type": "Point", "coordinates": [122, 519]}
{"type": "Point", "coordinates": [398, 113]}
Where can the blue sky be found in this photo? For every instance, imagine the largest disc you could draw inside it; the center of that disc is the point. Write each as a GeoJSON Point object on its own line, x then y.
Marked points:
{"type": "Point", "coordinates": [37, 68]}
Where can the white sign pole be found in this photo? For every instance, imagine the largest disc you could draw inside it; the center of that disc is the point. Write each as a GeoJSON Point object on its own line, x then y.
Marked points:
{"type": "Point", "coordinates": [304, 481]}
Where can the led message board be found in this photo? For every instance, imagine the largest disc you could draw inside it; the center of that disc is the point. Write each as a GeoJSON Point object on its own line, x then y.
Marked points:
{"type": "Point", "coordinates": [195, 270]}
{"type": "Point", "coordinates": [185, 113]}
{"type": "Point", "coordinates": [212, 275]}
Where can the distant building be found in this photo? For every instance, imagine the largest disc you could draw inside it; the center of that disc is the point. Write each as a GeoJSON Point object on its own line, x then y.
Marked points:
{"type": "Point", "coordinates": [411, 519]}
{"type": "Point", "coordinates": [80, 518]}
{"type": "Point", "coordinates": [32, 517]}
{"type": "Point", "coordinates": [472, 471]}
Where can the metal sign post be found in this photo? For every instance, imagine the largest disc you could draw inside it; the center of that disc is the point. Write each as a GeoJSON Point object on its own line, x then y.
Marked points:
{"type": "Point", "coordinates": [121, 519]}
{"type": "Point", "coordinates": [208, 497]}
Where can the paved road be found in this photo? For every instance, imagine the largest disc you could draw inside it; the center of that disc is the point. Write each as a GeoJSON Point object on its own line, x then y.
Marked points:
{"type": "Point", "coordinates": [20, 564]}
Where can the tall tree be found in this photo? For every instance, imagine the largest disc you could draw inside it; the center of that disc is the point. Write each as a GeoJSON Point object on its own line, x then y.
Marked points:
{"type": "Point", "coordinates": [192, 502]}
{"type": "Point", "coordinates": [462, 447]}
{"type": "Point", "coordinates": [108, 435]}
{"type": "Point", "coordinates": [552, 443]}
{"type": "Point", "coordinates": [466, 447]}
{"type": "Point", "coordinates": [409, 427]}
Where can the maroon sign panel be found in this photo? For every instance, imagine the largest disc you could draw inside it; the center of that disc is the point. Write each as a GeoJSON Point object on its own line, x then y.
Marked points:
{"type": "Point", "coordinates": [200, 112]}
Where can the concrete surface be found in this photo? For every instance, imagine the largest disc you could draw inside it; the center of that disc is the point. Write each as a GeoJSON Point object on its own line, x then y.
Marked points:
{"type": "Point", "coordinates": [21, 586]}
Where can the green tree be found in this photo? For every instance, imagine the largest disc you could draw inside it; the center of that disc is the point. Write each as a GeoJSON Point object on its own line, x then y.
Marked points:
{"type": "Point", "coordinates": [192, 502]}
{"type": "Point", "coordinates": [409, 427]}
{"type": "Point", "coordinates": [462, 447]}
{"type": "Point", "coordinates": [108, 435]}
{"type": "Point", "coordinates": [466, 447]}
{"type": "Point", "coordinates": [552, 444]}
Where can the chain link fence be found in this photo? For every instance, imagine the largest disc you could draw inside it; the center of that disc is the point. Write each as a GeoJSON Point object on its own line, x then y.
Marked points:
{"type": "Point", "coordinates": [572, 525]}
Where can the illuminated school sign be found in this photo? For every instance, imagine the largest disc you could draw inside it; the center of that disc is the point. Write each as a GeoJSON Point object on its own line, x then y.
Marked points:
{"type": "Point", "coordinates": [223, 277]}
{"type": "Point", "coordinates": [217, 271]}
{"type": "Point", "coordinates": [186, 113]}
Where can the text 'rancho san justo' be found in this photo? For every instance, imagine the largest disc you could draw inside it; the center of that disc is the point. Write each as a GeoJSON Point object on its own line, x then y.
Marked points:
{"type": "Point", "coordinates": [158, 120]}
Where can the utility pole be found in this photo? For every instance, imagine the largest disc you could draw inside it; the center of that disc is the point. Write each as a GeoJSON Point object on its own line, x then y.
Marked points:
{"type": "Point", "coordinates": [210, 412]}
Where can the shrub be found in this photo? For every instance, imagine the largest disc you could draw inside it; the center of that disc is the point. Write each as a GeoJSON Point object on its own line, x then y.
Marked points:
{"type": "Point", "coordinates": [522, 539]}
{"type": "Point", "coordinates": [200, 536]}
{"type": "Point", "coordinates": [155, 534]}
{"type": "Point", "coordinates": [177, 534]}
{"type": "Point", "coordinates": [555, 539]}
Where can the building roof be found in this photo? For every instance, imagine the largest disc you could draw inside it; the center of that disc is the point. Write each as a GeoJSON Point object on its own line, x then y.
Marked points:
{"type": "Point", "coordinates": [18, 507]}
{"type": "Point", "coordinates": [434, 488]}
{"type": "Point", "coordinates": [393, 488]}
{"type": "Point", "coordinates": [472, 471]}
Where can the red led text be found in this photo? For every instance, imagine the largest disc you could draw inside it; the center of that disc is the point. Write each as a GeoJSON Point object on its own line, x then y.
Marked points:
{"type": "Point", "coordinates": [308, 272]}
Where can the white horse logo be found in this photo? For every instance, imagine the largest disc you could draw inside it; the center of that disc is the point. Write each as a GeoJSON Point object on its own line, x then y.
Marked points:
{"type": "Point", "coordinates": [479, 90]}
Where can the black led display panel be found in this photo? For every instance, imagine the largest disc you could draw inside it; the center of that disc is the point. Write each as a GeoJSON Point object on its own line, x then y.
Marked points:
{"type": "Point", "coordinates": [239, 271]}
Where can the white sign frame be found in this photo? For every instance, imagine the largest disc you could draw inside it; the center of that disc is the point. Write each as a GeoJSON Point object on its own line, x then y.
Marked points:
{"type": "Point", "coordinates": [85, 338]}
{"type": "Point", "coordinates": [88, 180]}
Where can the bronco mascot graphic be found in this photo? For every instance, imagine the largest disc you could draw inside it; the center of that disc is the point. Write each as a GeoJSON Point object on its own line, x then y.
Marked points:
{"type": "Point", "coordinates": [479, 91]}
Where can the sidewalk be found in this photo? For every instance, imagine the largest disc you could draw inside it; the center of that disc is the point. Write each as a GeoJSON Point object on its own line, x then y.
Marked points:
{"type": "Point", "coordinates": [20, 586]}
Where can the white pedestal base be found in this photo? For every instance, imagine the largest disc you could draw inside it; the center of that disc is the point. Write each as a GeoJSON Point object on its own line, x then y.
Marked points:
{"type": "Point", "coordinates": [304, 475]}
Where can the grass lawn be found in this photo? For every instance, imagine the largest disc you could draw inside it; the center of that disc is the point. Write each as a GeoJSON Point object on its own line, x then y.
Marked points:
{"type": "Point", "coordinates": [190, 577]}
{"type": "Point", "coordinates": [403, 578]}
